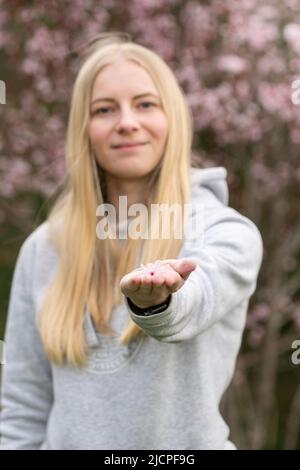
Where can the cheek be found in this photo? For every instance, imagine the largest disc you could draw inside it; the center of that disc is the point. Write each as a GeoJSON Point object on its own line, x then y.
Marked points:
{"type": "Point", "coordinates": [96, 133]}
{"type": "Point", "coordinates": [161, 126]}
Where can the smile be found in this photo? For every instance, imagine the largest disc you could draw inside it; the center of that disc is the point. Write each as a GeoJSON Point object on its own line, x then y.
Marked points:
{"type": "Point", "coordinates": [129, 147]}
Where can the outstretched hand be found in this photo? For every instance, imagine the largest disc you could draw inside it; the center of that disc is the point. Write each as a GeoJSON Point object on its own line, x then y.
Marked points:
{"type": "Point", "coordinates": [152, 284]}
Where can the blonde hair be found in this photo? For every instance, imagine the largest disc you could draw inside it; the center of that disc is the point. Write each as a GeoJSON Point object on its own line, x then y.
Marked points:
{"type": "Point", "coordinates": [90, 269]}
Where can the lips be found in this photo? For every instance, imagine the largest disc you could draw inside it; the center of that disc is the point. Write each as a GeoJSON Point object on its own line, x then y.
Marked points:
{"type": "Point", "coordinates": [128, 144]}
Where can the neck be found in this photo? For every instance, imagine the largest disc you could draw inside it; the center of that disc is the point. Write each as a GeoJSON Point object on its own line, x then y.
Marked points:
{"type": "Point", "coordinates": [135, 190]}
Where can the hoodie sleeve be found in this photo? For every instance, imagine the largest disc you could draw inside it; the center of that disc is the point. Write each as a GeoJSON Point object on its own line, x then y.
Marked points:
{"type": "Point", "coordinates": [26, 395]}
{"type": "Point", "coordinates": [229, 254]}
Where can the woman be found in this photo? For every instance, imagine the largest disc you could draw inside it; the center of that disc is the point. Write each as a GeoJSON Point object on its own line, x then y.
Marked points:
{"type": "Point", "coordinates": [128, 342]}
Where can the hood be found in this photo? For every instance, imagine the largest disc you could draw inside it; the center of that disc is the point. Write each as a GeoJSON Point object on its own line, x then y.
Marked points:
{"type": "Point", "coordinates": [214, 179]}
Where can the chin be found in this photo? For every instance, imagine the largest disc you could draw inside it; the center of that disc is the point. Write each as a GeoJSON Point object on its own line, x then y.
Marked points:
{"type": "Point", "coordinates": [131, 173]}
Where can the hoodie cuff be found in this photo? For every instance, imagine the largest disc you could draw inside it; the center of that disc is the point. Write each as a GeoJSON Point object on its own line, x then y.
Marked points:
{"type": "Point", "coordinates": [149, 310]}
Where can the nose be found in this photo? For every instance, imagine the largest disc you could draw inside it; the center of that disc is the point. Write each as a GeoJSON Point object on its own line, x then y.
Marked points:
{"type": "Point", "coordinates": [127, 121]}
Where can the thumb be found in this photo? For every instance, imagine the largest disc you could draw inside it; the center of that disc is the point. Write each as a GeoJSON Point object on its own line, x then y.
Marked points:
{"type": "Point", "coordinates": [184, 266]}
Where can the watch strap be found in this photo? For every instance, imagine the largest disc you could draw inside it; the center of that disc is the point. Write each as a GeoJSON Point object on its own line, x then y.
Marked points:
{"type": "Point", "coordinates": [149, 310]}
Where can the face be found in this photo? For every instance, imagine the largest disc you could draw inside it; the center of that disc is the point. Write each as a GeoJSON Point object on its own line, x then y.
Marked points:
{"type": "Point", "coordinates": [126, 109]}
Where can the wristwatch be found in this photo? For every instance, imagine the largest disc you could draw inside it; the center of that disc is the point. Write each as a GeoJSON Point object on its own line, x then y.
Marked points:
{"type": "Point", "coordinates": [149, 310]}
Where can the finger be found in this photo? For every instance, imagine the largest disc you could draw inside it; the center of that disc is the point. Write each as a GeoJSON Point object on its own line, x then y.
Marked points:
{"type": "Point", "coordinates": [183, 266]}
{"type": "Point", "coordinates": [130, 283]}
{"type": "Point", "coordinates": [160, 292]}
{"type": "Point", "coordinates": [145, 286]}
{"type": "Point", "coordinates": [158, 279]}
{"type": "Point", "coordinates": [173, 281]}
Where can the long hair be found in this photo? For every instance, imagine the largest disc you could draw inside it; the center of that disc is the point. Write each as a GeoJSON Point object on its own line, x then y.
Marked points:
{"type": "Point", "coordinates": [90, 269]}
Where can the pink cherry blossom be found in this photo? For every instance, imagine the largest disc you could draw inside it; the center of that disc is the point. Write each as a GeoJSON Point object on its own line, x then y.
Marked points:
{"type": "Point", "coordinates": [232, 64]}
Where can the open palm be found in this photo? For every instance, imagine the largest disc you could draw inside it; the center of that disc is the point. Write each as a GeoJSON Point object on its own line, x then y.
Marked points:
{"type": "Point", "coordinates": [152, 284]}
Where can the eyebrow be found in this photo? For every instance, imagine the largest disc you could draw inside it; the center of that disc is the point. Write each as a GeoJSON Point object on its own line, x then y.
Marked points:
{"type": "Point", "coordinates": [135, 97]}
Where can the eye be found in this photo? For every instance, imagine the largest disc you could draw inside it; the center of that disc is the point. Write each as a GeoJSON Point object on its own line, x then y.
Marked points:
{"type": "Point", "coordinates": [102, 110]}
{"type": "Point", "coordinates": [109, 109]}
{"type": "Point", "coordinates": [147, 103]}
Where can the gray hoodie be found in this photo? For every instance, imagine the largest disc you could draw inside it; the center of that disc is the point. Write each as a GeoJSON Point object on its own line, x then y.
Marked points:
{"type": "Point", "coordinates": [163, 390]}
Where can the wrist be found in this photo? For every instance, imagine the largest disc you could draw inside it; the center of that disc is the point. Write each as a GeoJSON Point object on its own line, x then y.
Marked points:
{"type": "Point", "coordinates": [150, 305]}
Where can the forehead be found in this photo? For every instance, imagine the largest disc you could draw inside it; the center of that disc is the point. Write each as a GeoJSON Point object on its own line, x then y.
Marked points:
{"type": "Point", "coordinates": [123, 74]}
